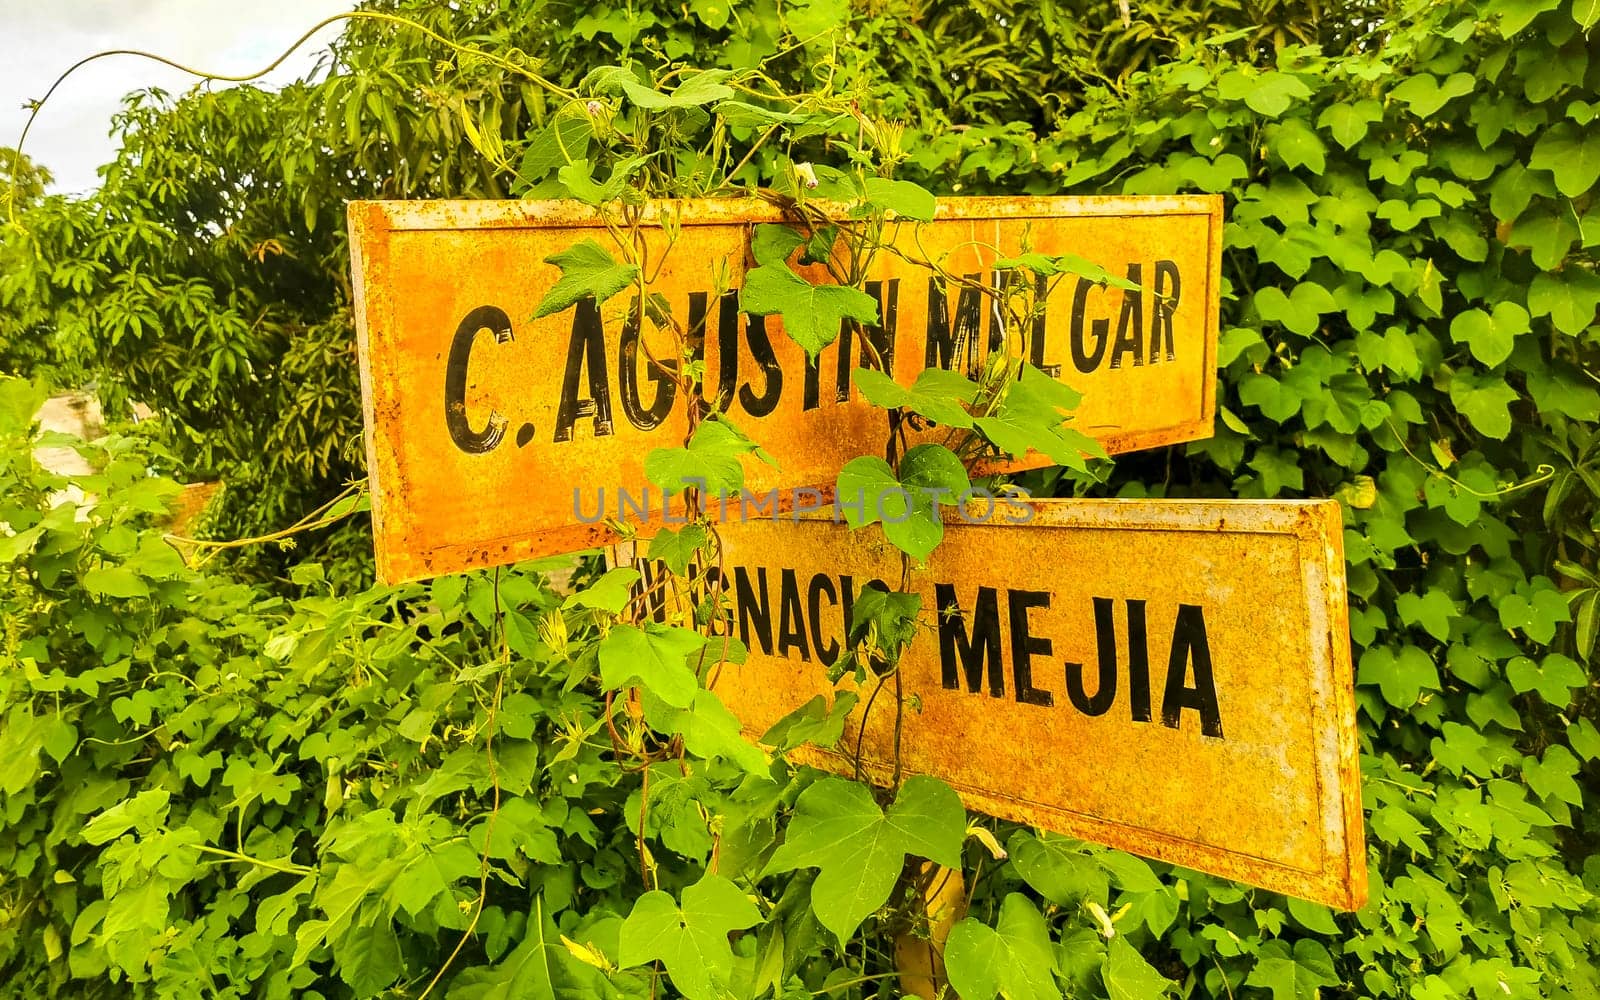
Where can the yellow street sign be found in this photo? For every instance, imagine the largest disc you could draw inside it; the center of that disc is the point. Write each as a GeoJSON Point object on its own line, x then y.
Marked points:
{"type": "Point", "coordinates": [488, 431]}
{"type": "Point", "coordinates": [1171, 678]}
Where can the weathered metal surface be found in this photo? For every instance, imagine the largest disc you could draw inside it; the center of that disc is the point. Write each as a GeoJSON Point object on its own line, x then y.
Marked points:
{"type": "Point", "coordinates": [441, 280]}
{"type": "Point", "coordinates": [1235, 755]}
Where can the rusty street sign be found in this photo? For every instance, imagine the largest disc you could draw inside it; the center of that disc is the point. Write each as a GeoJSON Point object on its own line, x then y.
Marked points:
{"type": "Point", "coordinates": [482, 422]}
{"type": "Point", "coordinates": [1167, 677]}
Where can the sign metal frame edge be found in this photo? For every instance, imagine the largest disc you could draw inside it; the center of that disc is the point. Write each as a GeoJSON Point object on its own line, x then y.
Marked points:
{"type": "Point", "coordinates": [371, 224]}
{"type": "Point", "coordinates": [1317, 527]}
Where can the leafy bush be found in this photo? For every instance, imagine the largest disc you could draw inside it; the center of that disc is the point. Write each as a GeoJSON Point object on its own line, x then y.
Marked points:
{"type": "Point", "coordinates": [226, 793]}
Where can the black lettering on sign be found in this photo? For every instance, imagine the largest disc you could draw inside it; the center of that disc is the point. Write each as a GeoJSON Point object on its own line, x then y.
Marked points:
{"type": "Point", "coordinates": [847, 600]}
{"type": "Point", "coordinates": [812, 396]}
{"type": "Point", "coordinates": [495, 320]}
{"type": "Point", "coordinates": [1091, 340]}
{"type": "Point", "coordinates": [974, 649]}
{"type": "Point", "coordinates": [1083, 359]}
{"type": "Point", "coordinates": [1166, 303]}
{"type": "Point", "coordinates": [1138, 663]}
{"type": "Point", "coordinates": [1025, 645]}
{"type": "Point", "coordinates": [1036, 335]}
{"type": "Point", "coordinates": [821, 584]}
{"type": "Point", "coordinates": [947, 340]}
{"type": "Point", "coordinates": [645, 418]}
{"type": "Point", "coordinates": [791, 618]}
{"type": "Point", "coordinates": [1105, 692]}
{"type": "Point", "coordinates": [727, 344]}
{"type": "Point", "coordinates": [767, 360]}
{"type": "Point", "coordinates": [1130, 325]}
{"type": "Point", "coordinates": [587, 347]}
{"type": "Point", "coordinates": [878, 340]}
{"type": "Point", "coordinates": [751, 611]}
{"type": "Point", "coordinates": [1189, 645]}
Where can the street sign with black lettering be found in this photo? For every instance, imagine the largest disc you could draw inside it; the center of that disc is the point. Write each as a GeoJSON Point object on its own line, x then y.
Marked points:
{"type": "Point", "coordinates": [1171, 678]}
{"type": "Point", "coordinates": [485, 425]}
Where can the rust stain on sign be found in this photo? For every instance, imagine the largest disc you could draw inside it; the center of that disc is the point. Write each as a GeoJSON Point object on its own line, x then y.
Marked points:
{"type": "Point", "coordinates": [1171, 678]}
{"type": "Point", "coordinates": [482, 422]}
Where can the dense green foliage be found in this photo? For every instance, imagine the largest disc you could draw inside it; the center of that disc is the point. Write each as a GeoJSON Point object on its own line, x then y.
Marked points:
{"type": "Point", "coordinates": [221, 792]}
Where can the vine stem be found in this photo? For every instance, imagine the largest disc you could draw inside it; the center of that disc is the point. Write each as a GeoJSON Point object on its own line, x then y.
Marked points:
{"type": "Point", "coordinates": [35, 107]}
{"type": "Point", "coordinates": [221, 852]}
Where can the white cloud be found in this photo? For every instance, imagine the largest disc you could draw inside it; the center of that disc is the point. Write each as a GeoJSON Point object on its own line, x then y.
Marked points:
{"type": "Point", "coordinates": [40, 40]}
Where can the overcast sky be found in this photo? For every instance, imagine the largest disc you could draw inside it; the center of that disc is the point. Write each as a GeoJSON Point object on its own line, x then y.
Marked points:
{"type": "Point", "coordinates": [41, 38]}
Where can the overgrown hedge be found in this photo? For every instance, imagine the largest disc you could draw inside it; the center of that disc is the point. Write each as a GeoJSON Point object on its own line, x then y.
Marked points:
{"type": "Point", "coordinates": [1409, 325]}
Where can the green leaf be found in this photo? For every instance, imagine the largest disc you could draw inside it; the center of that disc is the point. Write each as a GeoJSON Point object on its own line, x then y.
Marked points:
{"type": "Point", "coordinates": [144, 812]}
{"type": "Point", "coordinates": [1393, 825]}
{"type": "Point", "coordinates": [1313, 916]}
{"type": "Point", "coordinates": [369, 958]}
{"type": "Point", "coordinates": [711, 463]}
{"type": "Point", "coordinates": [892, 613]}
{"type": "Point", "coordinates": [609, 593]}
{"type": "Point", "coordinates": [1297, 145]}
{"type": "Point", "coordinates": [563, 141]}
{"type": "Point", "coordinates": [1485, 400]}
{"type": "Point", "coordinates": [1572, 155]}
{"type": "Point", "coordinates": [587, 269]}
{"type": "Point", "coordinates": [1301, 310]}
{"type": "Point", "coordinates": [930, 476]}
{"type": "Point", "coordinates": [1460, 233]}
{"type": "Point", "coordinates": [1490, 337]}
{"type": "Point", "coordinates": [691, 940]}
{"type": "Point", "coordinates": [937, 394]}
{"type": "Point", "coordinates": [1293, 975]}
{"type": "Point", "coordinates": [815, 722]}
{"type": "Point", "coordinates": [1569, 298]}
{"type": "Point", "coordinates": [1554, 678]}
{"type": "Point", "coordinates": [901, 198]}
{"type": "Point", "coordinates": [1547, 235]}
{"type": "Point", "coordinates": [838, 828]}
{"type": "Point", "coordinates": [1406, 216]}
{"type": "Point", "coordinates": [1585, 739]}
{"type": "Point", "coordinates": [709, 731]}
{"type": "Point", "coordinates": [1032, 416]}
{"type": "Point", "coordinates": [1401, 676]}
{"type": "Point", "coordinates": [1129, 977]}
{"type": "Point", "coordinates": [1554, 776]}
{"type": "Point", "coordinates": [115, 581]}
{"type": "Point", "coordinates": [431, 874]}
{"type": "Point", "coordinates": [1013, 958]}
{"type": "Point", "coordinates": [677, 548]}
{"type": "Point", "coordinates": [1433, 610]}
{"type": "Point", "coordinates": [742, 114]}
{"type": "Point", "coordinates": [1214, 175]}
{"type": "Point", "coordinates": [1424, 94]}
{"type": "Point", "coordinates": [713, 14]}
{"type": "Point", "coordinates": [811, 314]}
{"type": "Point", "coordinates": [1268, 93]}
{"type": "Point", "coordinates": [868, 492]}
{"type": "Point", "coordinates": [1348, 122]}
{"type": "Point", "coordinates": [774, 244]}
{"type": "Point", "coordinates": [656, 656]}
{"type": "Point", "coordinates": [1058, 868]}
{"type": "Point", "coordinates": [1586, 13]}
{"type": "Point", "coordinates": [698, 89]}
{"type": "Point", "coordinates": [1128, 872]}
{"type": "Point", "coordinates": [1518, 14]}
{"type": "Point", "coordinates": [1067, 263]}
